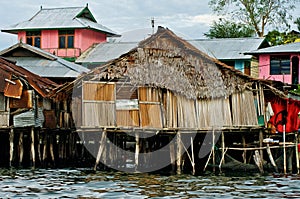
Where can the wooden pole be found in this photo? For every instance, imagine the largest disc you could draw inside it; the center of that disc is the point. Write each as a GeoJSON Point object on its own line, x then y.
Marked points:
{"type": "Point", "coordinates": [261, 139]}
{"type": "Point", "coordinates": [284, 151]}
{"type": "Point", "coordinates": [137, 150]}
{"type": "Point", "coordinates": [11, 146]}
{"type": "Point", "coordinates": [21, 148]}
{"type": "Point", "coordinates": [223, 147]}
{"type": "Point", "coordinates": [172, 154]}
{"type": "Point", "coordinates": [179, 153]}
{"type": "Point", "coordinates": [245, 151]}
{"type": "Point", "coordinates": [45, 141]}
{"type": "Point", "coordinates": [213, 150]}
{"type": "Point", "coordinates": [297, 152]}
{"type": "Point", "coordinates": [101, 148]}
{"type": "Point", "coordinates": [52, 148]}
{"type": "Point", "coordinates": [193, 156]}
{"type": "Point", "coordinates": [32, 147]}
{"type": "Point", "coordinates": [271, 158]}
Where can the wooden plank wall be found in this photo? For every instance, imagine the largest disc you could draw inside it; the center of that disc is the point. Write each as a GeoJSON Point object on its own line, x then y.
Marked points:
{"type": "Point", "coordinates": [98, 104]}
{"type": "Point", "coordinates": [150, 107]}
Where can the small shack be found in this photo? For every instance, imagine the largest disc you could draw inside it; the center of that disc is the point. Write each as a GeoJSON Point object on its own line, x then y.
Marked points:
{"type": "Point", "coordinates": [23, 102]}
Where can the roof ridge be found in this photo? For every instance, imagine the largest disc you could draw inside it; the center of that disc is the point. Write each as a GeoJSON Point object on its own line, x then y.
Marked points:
{"type": "Point", "coordinates": [56, 8]}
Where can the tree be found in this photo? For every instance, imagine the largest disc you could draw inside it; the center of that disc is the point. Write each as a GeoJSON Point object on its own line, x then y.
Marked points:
{"type": "Point", "coordinates": [277, 38]}
{"type": "Point", "coordinates": [297, 22]}
{"type": "Point", "coordinates": [227, 29]}
{"type": "Point", "coordinates": [258, 14]}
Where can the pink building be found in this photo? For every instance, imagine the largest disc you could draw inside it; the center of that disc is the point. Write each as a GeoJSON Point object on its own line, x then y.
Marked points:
{"type": "Point", "coordinates": [65, 32]}
{"type": "Point", "coordinates": [280, 63]}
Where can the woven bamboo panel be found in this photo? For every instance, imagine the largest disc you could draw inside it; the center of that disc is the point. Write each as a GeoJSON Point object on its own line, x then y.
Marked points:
{"type": "Point", "coordinates": [128, 118]}
{"type": "Point", "coordinates": [213, 113]}
{"type": "Point", "coordinates": [243, 109]}
{"type": "Point", "coordinates": [98, 91]}
{"type": "Point", "coordinates": [98, 114]}
{"type": "Point", "coordinates": [186, 112]}
{"type": "Point", "coordinates": [150, 115]}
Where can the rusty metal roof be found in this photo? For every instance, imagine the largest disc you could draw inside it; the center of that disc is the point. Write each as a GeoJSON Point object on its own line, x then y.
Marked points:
{"type": "Point", "coordinates": [61, 18]}
{"type": "Point", "coordinates": [9, 72]}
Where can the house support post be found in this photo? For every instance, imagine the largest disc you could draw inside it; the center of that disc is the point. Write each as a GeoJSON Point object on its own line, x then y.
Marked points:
{"type": "Point", "coordinates": [101, 148]}
{"type": "Point", "coordinates": [11, 146]}
{"type": "Point", "coordinates": [172, 154]}
{"type": "Point", "coordinates": [179, 153]}
{"type": "Point", "coordinates": [137, 150]}
{"type": "Point", "coordinates": [32, 147]}
{"type": "Point", "coordinates": [21, 148]}
{"type": "Point", "coordinates": [284, 151]}
{"type": "Point", "coordinates": [297, 152]}
{"type": "Point", "coordinates": [271, 158]}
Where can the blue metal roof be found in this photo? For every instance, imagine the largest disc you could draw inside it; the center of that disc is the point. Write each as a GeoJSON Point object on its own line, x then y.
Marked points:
{"type": "Point", "coordinates": [228, 48]}
{"type": "Point", "coordinates": [285, 48]}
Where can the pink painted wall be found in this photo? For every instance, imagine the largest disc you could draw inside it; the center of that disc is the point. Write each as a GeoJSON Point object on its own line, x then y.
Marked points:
{"type": "Point", "coordinates": [84, 38]}
{"type": "Point", "coordinates": [264, 69]}
{"type": "Point", "coordinates": [49, 39]}
{"type": "Point", "coordinates": [22, 36]}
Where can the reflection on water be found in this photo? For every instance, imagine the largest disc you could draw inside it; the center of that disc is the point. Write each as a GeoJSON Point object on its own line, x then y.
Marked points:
{"type": "Point", "coordinates": [82, 183]}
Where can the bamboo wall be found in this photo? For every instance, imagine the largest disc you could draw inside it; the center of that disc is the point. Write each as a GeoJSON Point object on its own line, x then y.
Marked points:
{"type": "Point", "coordinates": [123, 105]}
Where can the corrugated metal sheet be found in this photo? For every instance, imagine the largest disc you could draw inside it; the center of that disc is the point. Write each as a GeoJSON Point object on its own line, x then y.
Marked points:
{"type": "Point", "coordinates": [56, 18]}
{"type": "Point", "coordinates": [228, 48]}
{"type": "Point", "coordinates": [24, 119]}
{"type": "Point", "coordinates": [45, 64]}
{"type": "Point", "coordinates": [286, 48]}
{"type": "Point", "coordinates": [222, 49]}
{"type": "Point", "coordinates": [104, 52]}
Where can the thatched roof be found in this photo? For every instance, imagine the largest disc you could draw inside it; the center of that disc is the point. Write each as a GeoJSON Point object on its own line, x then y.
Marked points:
{"type": "Point", "coordinates": [165, 60]}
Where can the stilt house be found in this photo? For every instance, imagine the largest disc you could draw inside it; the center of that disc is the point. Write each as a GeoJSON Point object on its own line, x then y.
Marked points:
{"type": "Point", "coordinates": [164, 83]}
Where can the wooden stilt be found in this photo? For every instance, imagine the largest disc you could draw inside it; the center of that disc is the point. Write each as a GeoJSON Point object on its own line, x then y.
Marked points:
{"type": "Point", "coordinates": [213, 150]}
{"type": "Point", "coordinates": [11, 146]}
{"type": "Point", "coordinates": [32, 147]}
{"type": "Point", "coordinates": [51, 148]}
{"type": "Point", "coordinates": [261, 138]}
{"type": "Point", "coordinates": [137, 150]}
{"type": "Point", "coordinates": [38, 146]}
{"type": "Point", "coordinates": [21, 148]}
{"type": "Point", "coordinates": [245, 151]}
{"type": "Point", "coordinates": [271, 158]}
{"type": "Point", "coordinates": [45, 142]}
{"type": "Point", "coordinates": [258, 161]}
{"type": "Point", "coordinates": [284, 151]}
{"type": "Point", "coordinates": [223, 147]}
{"type": "Point", "coordinates": [172, 155]}
{"type": "Point", "coordinates": [101, 148]}
{"type": "Point", "coordinates": [193, 156]}
{"type": "Point", "coordinates": [179, 153]}
{"type": "Point", "coordinates": [297, 153]}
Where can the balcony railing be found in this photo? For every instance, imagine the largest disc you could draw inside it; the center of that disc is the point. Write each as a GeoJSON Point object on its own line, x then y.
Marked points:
{"type": "Point", "coordinates": [64, 52]}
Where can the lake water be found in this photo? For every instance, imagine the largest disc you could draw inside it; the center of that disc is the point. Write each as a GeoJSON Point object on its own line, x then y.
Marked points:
{"type": "Point", "coordinates": [84, 183]}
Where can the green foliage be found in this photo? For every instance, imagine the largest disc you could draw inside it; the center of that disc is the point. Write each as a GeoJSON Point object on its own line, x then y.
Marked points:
{"type": "Point", "coordinates": [258, 14]}
{"type": "Point", "coordinates": [277, 38]}
{"type": "Point", "coordinates": [297, 22]}
{"type": "Point", "coordinates": [227, 29]}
